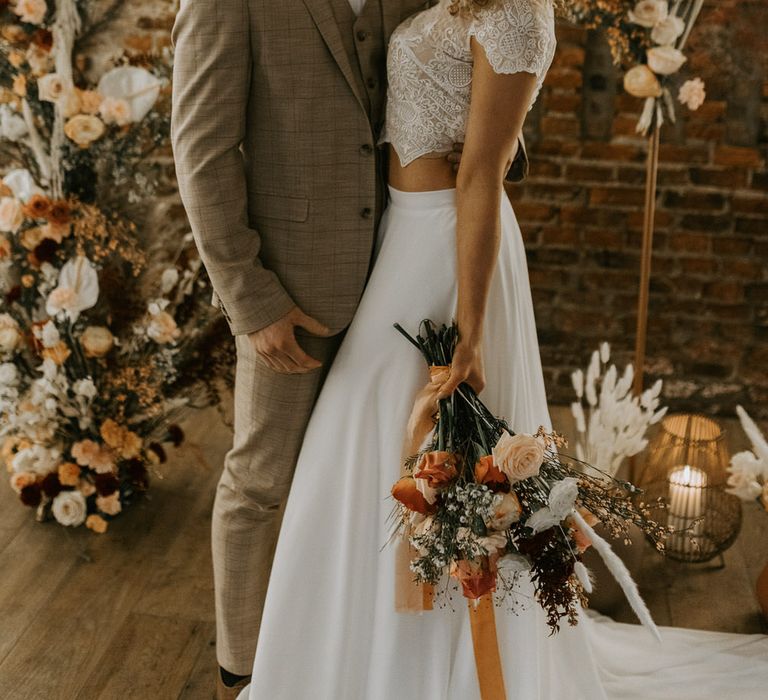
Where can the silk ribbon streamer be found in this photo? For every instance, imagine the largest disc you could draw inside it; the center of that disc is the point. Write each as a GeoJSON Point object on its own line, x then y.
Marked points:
{"type": "Point", "coordinates": [413, 597]}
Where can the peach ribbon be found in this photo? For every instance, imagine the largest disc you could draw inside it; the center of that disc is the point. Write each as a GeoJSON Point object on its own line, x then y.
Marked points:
{"type": "Point", "coordinates": [413, 597]}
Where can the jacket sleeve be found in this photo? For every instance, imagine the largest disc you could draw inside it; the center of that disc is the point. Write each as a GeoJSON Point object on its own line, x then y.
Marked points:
{"type": "Point", "coordinates": [211, 83]}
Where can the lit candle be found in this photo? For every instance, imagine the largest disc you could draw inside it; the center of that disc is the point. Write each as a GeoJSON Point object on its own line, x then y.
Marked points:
{"type": "Point", "coordinates": [686, 507]}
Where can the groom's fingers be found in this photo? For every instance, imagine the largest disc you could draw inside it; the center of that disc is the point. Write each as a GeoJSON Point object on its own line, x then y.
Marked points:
{"type": "Point", "coordinates": [293, 350]}
{"type": "Point", "coordinates": [310, 325]}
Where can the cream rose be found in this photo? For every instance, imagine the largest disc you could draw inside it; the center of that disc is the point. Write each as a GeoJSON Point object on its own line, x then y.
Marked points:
{"type": "Point", "coordinates": [162, 328]}
{"type": "Point", "coordinates": [10, 335]}
{"type": "Point", "coordinates": [52, 87]}
{"type": "Point", "coordinates": [641, 81]}
{"type": "Point", "coordinates": [666, 31]}
{"type": "Point", "coordinates": [11, 214]}
{"type": "Point", "coordinates": [692, 93]}
{"type": "Point", "coordinates": [518, 456]}
{"type": "Point", "coordinates": [31, 11]}
{"type": "Point", "coordinates": [665, 60]}
{"type": "Point", "coordinates": [84, 129]}
{"type": "Point", "coordinates": [648, 13]}
{"type": "Point", "coordinates": [69, 508]}
{"type": "Point", "coordinates": [507, 510]}
{"type": "Point", "coordinates": [97, 341]}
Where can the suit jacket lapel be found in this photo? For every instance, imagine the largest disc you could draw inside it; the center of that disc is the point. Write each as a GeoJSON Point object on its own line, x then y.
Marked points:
{"type": "Point", "coordinates": [324, 19]}
{"type": "Point", "coordinates": [391, 11]}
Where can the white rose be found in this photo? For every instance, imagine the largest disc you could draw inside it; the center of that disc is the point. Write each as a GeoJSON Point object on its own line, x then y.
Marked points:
{"type": "Point", "coordinates": [11, 214]}
{"type": "Point", "coordinates": [12, 125]}
{"type": "Point", "coordinates": [10, 335]}
{"type": "Point", "coordinates": [52, 87]}
{"type": "Point", "coordinates": [648, 13]}
{"type": "Point", "coordinates": [518, 456]}
{"type": "Point", "coordinates": [8, 374]}
{"type": "Point", "coordinates": [69, 508]}
{"type": "Point", "coordinates": [666, 31]}
{"type": "Point", "coordinates": [665, 60]}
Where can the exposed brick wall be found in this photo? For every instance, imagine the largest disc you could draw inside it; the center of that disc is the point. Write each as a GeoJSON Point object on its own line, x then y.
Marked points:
{"type": "Point", "coordinates": [581, 215]}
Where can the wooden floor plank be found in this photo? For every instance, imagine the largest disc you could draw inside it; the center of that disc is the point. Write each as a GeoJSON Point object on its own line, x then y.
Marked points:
{"type": "Point", "coordinates": [201, 682]}
{"type": "Point", "coordinates": [149, 657]}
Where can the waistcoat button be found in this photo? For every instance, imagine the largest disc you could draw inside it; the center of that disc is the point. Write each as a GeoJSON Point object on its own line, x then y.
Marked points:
{"type": "Point", "coordinates": [362, 35]}
{"type": "Point", "coordinates": [366, 149]}
{"type": "Point", "coordinates": [366, 213]}
{"type": "Point", "coordinates": [371, 83]}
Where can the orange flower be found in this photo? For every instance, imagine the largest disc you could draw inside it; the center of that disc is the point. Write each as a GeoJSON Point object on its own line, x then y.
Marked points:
{"type": "Point", "coordinates": [58, 353]}
{"type": "Point", "coordinates": [406, 491]}
{"type": "Point", "coordinates": [120, 439]}
{"type": "Point", "coordinates": [37, 207]}
{"type": "Point", "coordinates": [583, 543]}
{"type": "Point", "coordinates": [59, 212]}
{"type": "Point", "coordinates": [477, 577]}
{"type": "Point", "coordinates": [20, 85]}
{"type": "Point", "coordinates": [69, 474]}
{"type": "Point", "coordinates": [97, 524]}
{"type": "Point", "coordinates": [438, 468]}
{"type": "Point", "coordinates": [486, 472]}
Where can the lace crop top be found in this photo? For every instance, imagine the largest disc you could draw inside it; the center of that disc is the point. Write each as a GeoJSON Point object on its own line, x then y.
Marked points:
{"type": "Point", "coordinates": [429, 68]}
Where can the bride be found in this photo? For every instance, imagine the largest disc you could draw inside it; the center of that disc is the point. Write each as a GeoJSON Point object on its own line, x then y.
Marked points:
{"type": "Point", "coordinates": [449, 247]}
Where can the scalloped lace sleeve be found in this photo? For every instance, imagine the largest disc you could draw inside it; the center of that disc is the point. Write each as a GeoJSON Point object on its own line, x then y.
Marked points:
{"type": "Point", "coordinates": [517, 35]}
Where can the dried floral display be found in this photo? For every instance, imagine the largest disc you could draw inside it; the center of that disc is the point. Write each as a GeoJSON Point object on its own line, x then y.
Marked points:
{"type": "Point", "coordinates": [614, 423]}
{"type": "Point", "coordinates": [749, 469]}
{"type": "Point", "coordinates": [647, 38]}
{"type": "Point", "coordinates": [482, 504]}
{"type": "Point", "coordinates": [102, 346]}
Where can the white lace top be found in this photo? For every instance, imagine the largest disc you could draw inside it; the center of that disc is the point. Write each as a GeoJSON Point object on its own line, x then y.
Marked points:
{"type": "Point", "coordinates": [430, 68]}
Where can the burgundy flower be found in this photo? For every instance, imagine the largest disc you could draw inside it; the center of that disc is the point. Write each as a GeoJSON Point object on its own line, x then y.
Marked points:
{"type": "Point", "coordinates": [31, 495]}
{"type": "Point", "coordinates": [51, 485]}
{"type": "Point", "coordinates": [106, 484]}
{"type": "Point", "coordinates": [175, 434]}
{"type": "Point", "coordinates": [159, 450]}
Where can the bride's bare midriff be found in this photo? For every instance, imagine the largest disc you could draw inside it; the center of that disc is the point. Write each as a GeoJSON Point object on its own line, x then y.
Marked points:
{"type": "Point", "coordinates": [422, 175]}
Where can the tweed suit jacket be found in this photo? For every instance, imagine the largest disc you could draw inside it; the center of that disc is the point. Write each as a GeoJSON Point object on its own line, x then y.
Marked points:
{"type": "Point", "coordinates": [275, 156]}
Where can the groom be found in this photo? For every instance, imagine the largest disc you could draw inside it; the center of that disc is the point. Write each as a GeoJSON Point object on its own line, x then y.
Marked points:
{"type": "Point", "coordinates": [277, 107]}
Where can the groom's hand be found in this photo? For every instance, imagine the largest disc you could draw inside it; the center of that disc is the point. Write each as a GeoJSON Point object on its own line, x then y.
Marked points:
{"type": "Point", "coordinates": [277, 345]}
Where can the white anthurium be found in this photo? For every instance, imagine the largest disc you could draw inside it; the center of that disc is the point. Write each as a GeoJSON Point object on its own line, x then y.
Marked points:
{"type": "Point", "coordinates": [22, 184]}
{"type": "Point", "coordinates": [78, 289]}
{"type": "Point", "coordinates": [137, 86]}
{"type": "Point", "coordinates": [562, 498]}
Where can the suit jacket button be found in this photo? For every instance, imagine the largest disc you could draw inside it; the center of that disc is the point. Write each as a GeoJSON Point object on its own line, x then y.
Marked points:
{"type": "Point", "coordinates": [366, 213]}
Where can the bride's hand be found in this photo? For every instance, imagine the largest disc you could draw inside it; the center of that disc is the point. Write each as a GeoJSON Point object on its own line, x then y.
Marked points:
{"type": "Point", "coordinates": [466, 368]}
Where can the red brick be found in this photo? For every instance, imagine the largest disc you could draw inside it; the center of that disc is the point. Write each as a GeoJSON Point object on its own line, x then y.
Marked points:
{"type": "Point", "coordinates": [687, 154]}
{"type": "Point", "coordinates": [672, 176]}
{"type": "Point", "coordinates": [561, 127]}
{"type": "Point", "coordinates": [553, 147]}
{"type": "Point", "coordinates": [634, 175]}
{"type": "Point", "coordinates": [758, 227]}
{"type": "Point", "coordinates": [706, 222]}
{"type": "Point", "coordinates": [530, 211]}
{"type": "Point", "coordinates": [560, 236]}
{"type": "Point", "coordinates": [612, 151]}
{"type": "Point", "coordinates": [760, 180]}
{"type": "Point", "coordinates": [617, 196]}
{"type": "Point", "coordinates": [744, 268]}
{"type": "Point", "coordinates": [604, 238]}
{"type": "Point", "coordinates": [698, 266]}
{"type": "Point", "coordinates": [563, 78]}
{"type": "Point", "coordinates": [594, 217]}
{"type": "Point", "coordinates": [568, 55]}
{"type": "Point", "coordinates": [719, 177]}
{"type": "Point", "coordinates": [725, 291]}
{"type": "Point", "coordinates": [588, 173]}
{"type": "Point", "coordinates": [543, 167]}
{"type": "Point", "coordinates": [690, 243]}
{"type": "Point", "coordinates": [624, 125]}
{"type": "Point", "coordinates": [562, 102]}
{"type": "Point", "coordinates": [750, 205]}
{"type": "Point", "coordinates": [705, 131]}
{"type": "Point", "coordinates": [695, 200]}
{"type": "Point", "coordinates": [738, 155]}
{"type": "Point", "coordinates": [557, 192]}
{"type": "Point", "coordinates": [731, 245]}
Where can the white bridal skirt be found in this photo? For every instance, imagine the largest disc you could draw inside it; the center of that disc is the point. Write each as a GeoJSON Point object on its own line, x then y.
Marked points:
{"type": "Point", "coordinates": [329, 630]}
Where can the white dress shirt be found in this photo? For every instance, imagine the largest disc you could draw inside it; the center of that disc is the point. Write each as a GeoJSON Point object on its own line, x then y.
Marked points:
{"type": "Point", "coordinates": [357, 6]}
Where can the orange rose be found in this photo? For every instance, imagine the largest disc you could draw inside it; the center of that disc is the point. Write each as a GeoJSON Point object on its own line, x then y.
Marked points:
{"type": "Point", "coordinates": [406, 491]}
{"type": "Point", "coordinates": [486, 472]}
{"type": "Point", "coordinates": [583, 543]}
{"type": "Point", "coordinates": [477, 577]}
{"type": "Point", "coordinates": [438, 468]}
{"type": "Point", "coordinates": [69, 474]}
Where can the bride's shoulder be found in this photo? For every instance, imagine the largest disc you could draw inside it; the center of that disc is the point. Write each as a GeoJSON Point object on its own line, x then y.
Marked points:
{"type": "Point", "coordinates": [517, 35]}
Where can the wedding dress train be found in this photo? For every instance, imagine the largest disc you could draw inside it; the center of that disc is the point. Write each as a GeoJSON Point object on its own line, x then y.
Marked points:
{"type": "Point", "coordinates": [329, 629]}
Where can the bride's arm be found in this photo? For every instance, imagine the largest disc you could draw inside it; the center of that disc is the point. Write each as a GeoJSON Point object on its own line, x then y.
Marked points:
{"type": "Point", "coordinates": [498, 108]}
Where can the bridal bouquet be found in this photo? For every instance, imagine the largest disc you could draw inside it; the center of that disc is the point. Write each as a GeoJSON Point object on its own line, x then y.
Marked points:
{"type": "Point", "coordinates": [483, 504]}
{"type": "Point", "coordinates": [105, 336]}
{"type": "Point", "coordinates": [648, 36]}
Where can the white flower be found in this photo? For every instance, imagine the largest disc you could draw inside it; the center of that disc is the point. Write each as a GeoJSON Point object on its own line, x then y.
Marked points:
{"type": "Point", "coordinates": [31, 11]}
{"type": "Point", "coordinates": [541, 520]}
{"type": "Point", "coordinates": [52, 87]}
{"type": "Point", "coordinates": [577, 379]}
{"type": "Point", "coordinates": [115, 110]}
{"type": "Point", "coordinates": [10, 334]}
{"type": "Point", "coordinates": [21, 183]}
{"type": "Point", "coordinates": [665, 60]}
{"type": "Point", "coordinates": [493, 543]}
{"type": "Point", "coordinates": [512, 564]}
{"type": "Point", "coordinates": [11, 214]}
{"type": "Point", "coordinates": [9, 374]}
{"type": "Point", "coordinates": [12, 125]}
{"type": "Point", "coordinates": [692, 93]}
{"type": "Point", "coordinates": [78, 289]}
{"type": "Point", "coordinates": [136, 86]}
{"type": "Point", "coordinates": [85, 388]}
{"type": "Point", "coordinates": [162, 328]}
{"type": "Point", "coordinates": [648, 13]}
{"type": "Point", "coordinates": [37, 459]}
{"type": "Point", "coordinates": [562, 497]}
{"type": "Point", "coordinates": [666, 31]}
{"type": "Point", "coordinates": [169, 279]}
{"type": "Point", "coordinates": [518, 456]}
{"type": "Point", "coordinates": [69, 508]}
{"type": "Point", "coordinates": [582, 573]}
{"type": "Point", "coordinates": [49, 335]}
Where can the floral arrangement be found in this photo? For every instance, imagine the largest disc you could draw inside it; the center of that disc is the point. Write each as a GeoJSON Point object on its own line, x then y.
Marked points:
{"type": "Point", "coordinates": [614, 423]}
{"type": "Point", "coordinates": [482, 504]}
{"type": "Point", "coordinates": [647, 37]}
{"type": "Point", "coordinates": [105, 337]}
{"type": "Point", "coordinates": [749, 469]}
